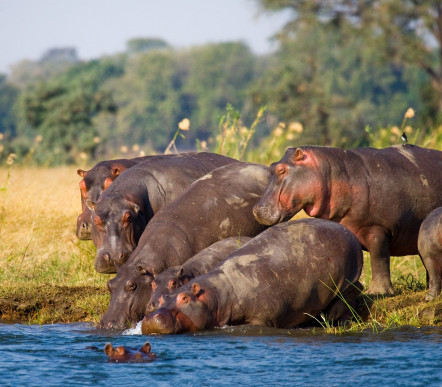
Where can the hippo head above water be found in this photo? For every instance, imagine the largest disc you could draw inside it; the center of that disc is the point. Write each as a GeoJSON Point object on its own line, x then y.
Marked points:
{"type": "Point", "coordinates": [183, 311]}
{"type": "Point", "coordinates": [116, 228]}
{"type": "Point", "coordinates": [122, 354]}
{"type": "Point", "coordinates": [129, 292]}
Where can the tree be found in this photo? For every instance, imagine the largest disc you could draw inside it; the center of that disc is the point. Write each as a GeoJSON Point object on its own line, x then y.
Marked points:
{"type": "Point", "coordinates": [147, 97]}
{"type": "Point", "coordinates": [8, 96]}
{"type": "Point", "coordinates": [61, 111]}
{"type": "Point", "coordinates": [138, 45]}
{"type": "Point", "coordinates": [53, 62]}
{"type": "Point", "coordinates": [217, 75]}
{"type": "Point", "coordinates": [334, 74]}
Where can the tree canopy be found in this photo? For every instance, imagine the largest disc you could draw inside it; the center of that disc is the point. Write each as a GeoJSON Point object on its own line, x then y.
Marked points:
{"type": "Point", "coordinates": [343, 70]}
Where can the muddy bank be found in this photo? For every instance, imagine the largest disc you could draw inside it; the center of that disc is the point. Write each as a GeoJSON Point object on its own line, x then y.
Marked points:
{"type": "Point", "coordinates": [54, 304]}
{"type": "Point", "coordinates": [65, 304]}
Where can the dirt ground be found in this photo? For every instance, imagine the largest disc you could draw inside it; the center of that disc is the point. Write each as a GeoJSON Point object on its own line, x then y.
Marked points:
{"type": "Point", "coordinates": [53, 304]}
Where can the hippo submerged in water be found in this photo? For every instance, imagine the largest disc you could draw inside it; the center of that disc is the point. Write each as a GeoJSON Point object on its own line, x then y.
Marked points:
{"type": "Point", "coordinates": [201, 263]}
{"type": "Point", "coordinates": [430, 249]}
{"type": "Point", "coordinates": [281, 278]}
{"type": "Point", "coordinates": [123, 354]}
{"type": "Point", "coordinates": [215, 207]}
{"type": "Point", "coordinates": [124, 209]}
{"type": "Point", "coordinates": [381, 195]}
{"type": "Point", "coordinates": [92, 185]}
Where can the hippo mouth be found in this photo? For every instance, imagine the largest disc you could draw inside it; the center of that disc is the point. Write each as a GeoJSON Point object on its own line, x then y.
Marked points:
{"type": "Point", "coordinates": [160, 322]}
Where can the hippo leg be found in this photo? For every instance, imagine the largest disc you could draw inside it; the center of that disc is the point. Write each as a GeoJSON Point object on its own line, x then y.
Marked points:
{"type": "Point", "coordinates": [340, 309]}
{"type": "Point", "coordinates": [378, 247]}
{"type": "Point", "coordinates": [434, 276]}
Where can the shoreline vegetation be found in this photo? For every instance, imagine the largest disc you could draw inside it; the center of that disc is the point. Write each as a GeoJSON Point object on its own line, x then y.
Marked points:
{"type": "Point", "coordinates": [47, 275]}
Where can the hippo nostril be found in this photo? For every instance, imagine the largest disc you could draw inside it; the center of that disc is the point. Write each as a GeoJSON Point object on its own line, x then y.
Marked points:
{"type": "Point", "coordinates": [106, 256]}
{"type": "Point", "coordinates": [84, 225]}
{"type": "Point", "coordinates": [161, 300]}
{"type": "Point", "coordinates": [150, 307]}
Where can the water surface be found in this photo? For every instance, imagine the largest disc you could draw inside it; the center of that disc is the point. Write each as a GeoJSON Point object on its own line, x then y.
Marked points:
{"type": "Point", "coordinates": [57, 355]}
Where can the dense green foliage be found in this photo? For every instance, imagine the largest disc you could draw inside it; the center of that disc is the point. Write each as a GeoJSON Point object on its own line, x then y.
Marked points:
{"type": "Point", "coordinates": [344, 71]}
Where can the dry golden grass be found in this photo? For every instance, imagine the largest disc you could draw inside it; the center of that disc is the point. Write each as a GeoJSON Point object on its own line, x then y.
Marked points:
{"type": "Point", "coordinates": [38, 211]}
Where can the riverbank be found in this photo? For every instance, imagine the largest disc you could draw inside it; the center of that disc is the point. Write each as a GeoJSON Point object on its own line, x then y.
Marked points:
{"type": "Point", "coordinates": [47, 304]}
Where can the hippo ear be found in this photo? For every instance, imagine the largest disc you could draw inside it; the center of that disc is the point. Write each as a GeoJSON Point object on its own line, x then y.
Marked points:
{"type": "Point", "coordinates": [117, 169]}
{"type": "Point", "coordinates": [196, 289]}
{"type": "Point", "coordinates": [299, 155]}
{"type": "Point", "coordinates": [132, 206]}
{"type": "Point", "coordinates": [180, 273]}
{"type": "Point", "coordinates": [146, 348]}
{"type": "Point", "coordinates": [91, 205]}
{"type": "Point", "coordinates": [81, 172]}
{"type": "Point", "coordinates": [108, 349]}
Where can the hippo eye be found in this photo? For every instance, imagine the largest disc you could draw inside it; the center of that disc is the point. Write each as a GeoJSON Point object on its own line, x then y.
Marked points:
{"type": "Point", "coordinates": [131, 286]}
{"type": "Point", "coordinates": [126, 219]}
{"type": "Point", "coordinates": [182, 299]}
{"type": "Point", "coordinates": [280, 170]}
{"type": "Point", "coordinates": [173, 284]}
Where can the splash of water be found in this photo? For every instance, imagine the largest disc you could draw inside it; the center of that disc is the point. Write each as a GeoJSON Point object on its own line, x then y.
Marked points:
{"type": "Point", "coordinates": [136, 330]}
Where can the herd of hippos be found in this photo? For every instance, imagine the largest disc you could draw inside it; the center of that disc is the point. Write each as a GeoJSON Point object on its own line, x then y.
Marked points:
{"type": "Point", "coordinates": [199, 240]}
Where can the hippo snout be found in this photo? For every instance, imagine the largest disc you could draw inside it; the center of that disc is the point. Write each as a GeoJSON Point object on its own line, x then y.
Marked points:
{"type": "Point", "coordinates": [83, 229]}
{"type": "Point", "coordinates": [264, 215]}
{"type": "Point", "coordinates": [158, 322]}
{"type": "Point", "coordinates": [112, 324]}
{"type": "Point", "coordinates": [121, 258]}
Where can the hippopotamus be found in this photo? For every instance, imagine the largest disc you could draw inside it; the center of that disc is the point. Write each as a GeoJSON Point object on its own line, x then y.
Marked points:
{"type": "Point", "coordinates": [130, 355]}
{"type": "Point", "coordinates": [430, 249]}
{"type": "Point", "coordinates": [123, 210]}
{"type": "Point", "coordinates": [93, 183]}
{"type": "Point", "coordinates": [215, 207]}
{"type": "Point", "coordinates": [281, 278]}
{"type": "Point", "coordinates": [201, 263]}
{"type": "Point", "coordinates": [381, 195]}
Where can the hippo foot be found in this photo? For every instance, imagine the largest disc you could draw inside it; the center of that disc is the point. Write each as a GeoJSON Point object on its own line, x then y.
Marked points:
{"type": "Point", "coordinates": [380, 290]}
{"type": "Point", "coordinates": [431, 295]}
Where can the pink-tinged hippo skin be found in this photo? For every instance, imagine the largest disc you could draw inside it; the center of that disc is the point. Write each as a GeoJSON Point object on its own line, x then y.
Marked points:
{"type": "Point", "coordinates": [199, 264]}
{"type": "Point", "coordinates": [279, 279]}
{"type": "Point", "coordinates": [217, 206]}
{"type": "Point", "coordinates": [92, 185]}
{"type": "Point", "coordinates": [123, 354]}
{"type": "Point", "coordinates": [123, 210]}
{"type": "Point", "coordinates": [430, 249]}
{"type": "Point", "coordinates": [381, 195]}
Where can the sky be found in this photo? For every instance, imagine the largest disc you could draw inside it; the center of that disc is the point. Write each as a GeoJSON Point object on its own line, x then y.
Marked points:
{"type": "Point", "coordinates": [28, 28]}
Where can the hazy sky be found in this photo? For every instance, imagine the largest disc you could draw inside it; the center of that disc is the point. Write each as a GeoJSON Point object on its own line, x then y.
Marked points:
{"type": "Point", "coordinates": [98, 27]}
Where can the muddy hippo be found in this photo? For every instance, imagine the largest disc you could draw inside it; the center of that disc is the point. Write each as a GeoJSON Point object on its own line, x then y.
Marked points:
{"type": "Point", "coordinates": [381, 195]}
{"type": "Point", "coordinates": [430, 248]}
{"type": "Point", "coordinates": [124, 209]}
{"type": "Point", "coordinates": [281, 278]}
{"type": "Point", "coordinates": [201, 263]}
{"type": "Point", "coordinates": [93, 183]}
{"type": "Point", "coordinates": [215, 207]}
{"type": "Point", "coordinates": [129, 355]}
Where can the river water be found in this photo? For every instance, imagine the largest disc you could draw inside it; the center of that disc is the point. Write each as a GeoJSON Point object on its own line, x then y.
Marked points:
{"type": "Point", "coordinates": [58, 355]}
